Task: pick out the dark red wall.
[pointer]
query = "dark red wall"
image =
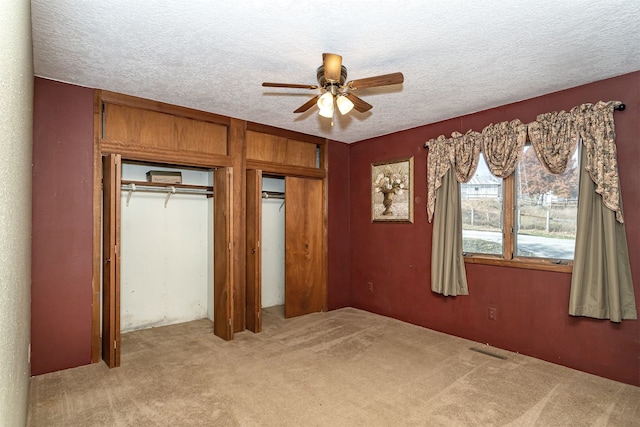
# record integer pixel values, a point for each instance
(62, 226)
(338, 294)
(531, 305)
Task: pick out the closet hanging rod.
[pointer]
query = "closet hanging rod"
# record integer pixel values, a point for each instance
(272, 195)
(165, 185)
(205, 191)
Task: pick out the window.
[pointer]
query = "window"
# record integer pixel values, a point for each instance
(527, 219)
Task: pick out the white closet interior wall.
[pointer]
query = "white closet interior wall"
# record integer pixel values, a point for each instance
(272, 244)
(167, 253)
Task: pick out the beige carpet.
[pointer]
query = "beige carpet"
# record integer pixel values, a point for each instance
(342, 368)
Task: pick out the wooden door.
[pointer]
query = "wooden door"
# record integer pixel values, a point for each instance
(222, 250)
(111, 174)
(254, 251)
(304, 249)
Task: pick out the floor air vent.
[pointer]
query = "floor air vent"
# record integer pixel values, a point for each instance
(488, 353)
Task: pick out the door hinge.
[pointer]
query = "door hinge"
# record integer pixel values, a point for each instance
(115, 344)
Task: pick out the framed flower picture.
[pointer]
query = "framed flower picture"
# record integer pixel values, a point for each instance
(392, 191)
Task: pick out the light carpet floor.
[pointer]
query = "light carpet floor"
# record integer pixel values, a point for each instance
(342, 368)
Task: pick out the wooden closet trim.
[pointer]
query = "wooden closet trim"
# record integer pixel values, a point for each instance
(324, 165)
(174, 110)
(257, 127)
(237, 152)
(286, 170)
(96, 343)
(160, 155)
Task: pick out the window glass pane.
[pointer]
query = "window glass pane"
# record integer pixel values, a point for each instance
(482, 212)
(546, 208)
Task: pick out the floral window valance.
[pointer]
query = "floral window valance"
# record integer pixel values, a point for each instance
(553, 136)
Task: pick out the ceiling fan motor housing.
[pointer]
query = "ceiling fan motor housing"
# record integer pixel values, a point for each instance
(324, 83)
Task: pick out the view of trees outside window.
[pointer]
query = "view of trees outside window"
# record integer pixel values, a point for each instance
(546, 207)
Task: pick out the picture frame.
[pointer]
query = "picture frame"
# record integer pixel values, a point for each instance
(392, 191)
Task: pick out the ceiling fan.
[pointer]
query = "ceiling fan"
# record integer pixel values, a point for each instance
(332, 76)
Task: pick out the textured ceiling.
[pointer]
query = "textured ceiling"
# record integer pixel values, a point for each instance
(457, 56)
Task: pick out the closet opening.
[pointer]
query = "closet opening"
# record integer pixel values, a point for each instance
(158, 231)
(285, 262)
(167, 246)
(273, 247)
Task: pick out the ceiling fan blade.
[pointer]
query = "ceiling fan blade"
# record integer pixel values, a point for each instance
(358, 103)
(289, 85)
(332, 66)
(310, 103)
(383, 80)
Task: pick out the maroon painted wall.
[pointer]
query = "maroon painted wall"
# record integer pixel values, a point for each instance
(62, 226)
(531, 305)
(338, 292)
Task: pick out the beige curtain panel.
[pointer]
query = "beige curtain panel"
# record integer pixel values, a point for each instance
(448, 274)
(601, 283)
(455, 159)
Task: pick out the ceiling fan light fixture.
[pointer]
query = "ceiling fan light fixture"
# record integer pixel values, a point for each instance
(327, 111)
(344, 104)
(325, 104)
(325, 101)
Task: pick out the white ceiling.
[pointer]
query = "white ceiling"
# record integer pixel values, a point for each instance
(457, 56)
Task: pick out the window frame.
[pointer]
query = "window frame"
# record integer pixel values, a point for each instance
(508, 258)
